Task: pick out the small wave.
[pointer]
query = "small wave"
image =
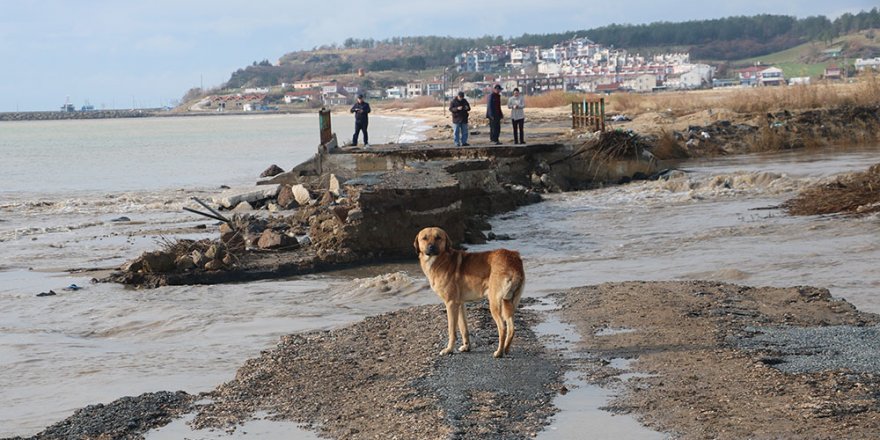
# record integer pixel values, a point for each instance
(728, 274)
(395, 284)
(26, 232)
(686, 187)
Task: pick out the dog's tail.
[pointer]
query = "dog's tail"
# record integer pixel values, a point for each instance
(513, 287)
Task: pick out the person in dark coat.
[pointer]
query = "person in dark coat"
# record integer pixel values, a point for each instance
(361, 110)
(493, 113)
(460, 107)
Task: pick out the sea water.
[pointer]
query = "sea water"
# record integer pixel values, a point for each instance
(62, 352)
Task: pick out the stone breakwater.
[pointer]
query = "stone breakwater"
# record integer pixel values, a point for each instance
(96, 114)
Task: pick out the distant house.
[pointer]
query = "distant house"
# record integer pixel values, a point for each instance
(608, 88)
(867, 63)
(641, 83)
(300, 96)
(396, 92)
(334, 98)
(771, 76)
(352, 90)
(434, 88)
(253, 90)
(748, 76)
(415, 89)
(308, 84)
(833, 72)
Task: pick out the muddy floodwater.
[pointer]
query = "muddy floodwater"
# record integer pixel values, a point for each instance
(713, 220)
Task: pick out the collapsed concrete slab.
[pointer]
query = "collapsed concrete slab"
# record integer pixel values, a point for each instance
(355, 206)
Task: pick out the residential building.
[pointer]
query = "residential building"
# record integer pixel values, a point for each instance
(748, 76)
(867, 63)
(771, 76)
(415, 89)
(301, 96)
(641, 83)
(833, 72)
(396, 92)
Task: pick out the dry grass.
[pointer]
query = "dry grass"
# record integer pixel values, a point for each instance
(668, 148)
(854, 194)
(865, 90)
(555, 98)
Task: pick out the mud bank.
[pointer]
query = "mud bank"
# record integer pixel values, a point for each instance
(691, 359)
(714, 360)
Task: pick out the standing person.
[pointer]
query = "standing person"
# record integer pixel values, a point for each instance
(516, 104)
(361, 110)
(460, 107)
(493, 113)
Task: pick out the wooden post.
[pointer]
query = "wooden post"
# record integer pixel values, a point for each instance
(324, 125)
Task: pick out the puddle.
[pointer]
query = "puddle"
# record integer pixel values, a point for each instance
(259, 428)
(611, 331)
(580, 414)
(623, 364)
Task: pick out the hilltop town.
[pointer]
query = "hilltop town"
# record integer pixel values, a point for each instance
(576, 65)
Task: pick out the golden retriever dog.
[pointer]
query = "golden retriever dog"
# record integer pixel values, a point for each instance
(459, 277)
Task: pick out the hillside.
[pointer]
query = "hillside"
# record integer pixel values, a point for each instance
(811, 58)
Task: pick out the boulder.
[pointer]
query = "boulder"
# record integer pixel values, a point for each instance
(355, 214)
(215, 252)
(243, 207)
(286, 200)
(184, 262)
(133, 266)
(301, 194)
(335, 185)
(273, 170)
(214, 265)
(272, 239)
(198, 258)
(341, 212)
(232, 197)
(158, 262)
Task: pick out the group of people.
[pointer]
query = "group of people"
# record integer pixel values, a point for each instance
(460, 109)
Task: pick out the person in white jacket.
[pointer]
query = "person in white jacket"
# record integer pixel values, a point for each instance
(516, 104)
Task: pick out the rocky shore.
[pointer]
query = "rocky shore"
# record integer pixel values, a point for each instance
(702, 360)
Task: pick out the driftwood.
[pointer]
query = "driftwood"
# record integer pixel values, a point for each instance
(214, 214)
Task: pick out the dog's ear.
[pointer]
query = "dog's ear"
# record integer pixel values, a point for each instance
(416, 244)
(446, 245)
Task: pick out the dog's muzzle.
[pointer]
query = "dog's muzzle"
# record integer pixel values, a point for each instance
(431, 249)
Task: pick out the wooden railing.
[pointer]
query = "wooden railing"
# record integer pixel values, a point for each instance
(589, 114)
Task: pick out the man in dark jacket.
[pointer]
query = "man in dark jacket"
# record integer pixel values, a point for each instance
(493, 113)
(361, 110)
(459, 107)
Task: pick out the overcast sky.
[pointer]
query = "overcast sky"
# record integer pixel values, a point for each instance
(119, 54)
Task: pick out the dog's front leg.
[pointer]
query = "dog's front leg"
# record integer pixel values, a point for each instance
(452, 312)
(463, 329)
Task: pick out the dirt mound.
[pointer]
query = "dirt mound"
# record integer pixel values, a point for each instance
(853, 194)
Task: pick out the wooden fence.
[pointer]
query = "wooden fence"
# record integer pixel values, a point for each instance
(589, 114)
